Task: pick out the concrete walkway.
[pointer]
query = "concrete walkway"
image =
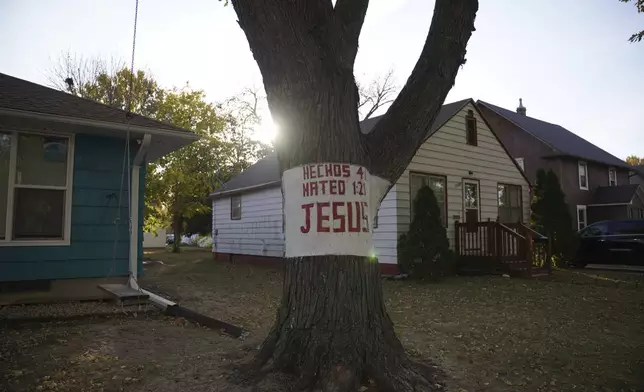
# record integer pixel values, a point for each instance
(616, 267)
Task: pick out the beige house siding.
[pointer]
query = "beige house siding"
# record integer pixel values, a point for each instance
(447, 154)
(258, 232)
(385, 236)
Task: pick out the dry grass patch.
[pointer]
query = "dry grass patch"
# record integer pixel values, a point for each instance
(489, 333)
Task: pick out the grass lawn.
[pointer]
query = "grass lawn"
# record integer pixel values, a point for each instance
(580, 331)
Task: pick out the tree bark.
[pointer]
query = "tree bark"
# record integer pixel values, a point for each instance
(333, 330)
(177, 223)
(332, 327)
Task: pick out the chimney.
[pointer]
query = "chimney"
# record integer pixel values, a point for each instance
(521, 109)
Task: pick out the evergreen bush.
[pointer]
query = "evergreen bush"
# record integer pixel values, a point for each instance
(551, 216)
(423, 252)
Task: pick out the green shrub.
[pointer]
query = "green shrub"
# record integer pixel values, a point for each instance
(423, 252)
(551, 216)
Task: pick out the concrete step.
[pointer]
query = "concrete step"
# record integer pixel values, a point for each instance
(124, 294)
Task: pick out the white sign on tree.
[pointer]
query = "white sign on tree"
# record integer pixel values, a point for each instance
(328, 209)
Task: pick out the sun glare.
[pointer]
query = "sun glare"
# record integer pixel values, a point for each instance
(266, 131)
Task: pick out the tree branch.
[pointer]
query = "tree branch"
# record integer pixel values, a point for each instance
(350, 14)
(379, 93)
(401, 131)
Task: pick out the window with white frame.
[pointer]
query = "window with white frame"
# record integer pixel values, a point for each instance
(437, 184)
(509, 203)
(37, 171)
(612, 177)
(521, 163)
(581, 217)
(235, 207)
(583, 175)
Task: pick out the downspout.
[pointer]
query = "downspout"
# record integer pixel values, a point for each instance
(134, 217)
(134, 210)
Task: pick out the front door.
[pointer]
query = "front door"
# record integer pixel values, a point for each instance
(471, 201)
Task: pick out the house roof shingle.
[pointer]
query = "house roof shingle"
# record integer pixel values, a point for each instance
(18, 94)
(266, 171)
(622, 194)
(561, 139)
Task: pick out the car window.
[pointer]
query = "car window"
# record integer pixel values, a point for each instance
(594, 230)
(628, 227)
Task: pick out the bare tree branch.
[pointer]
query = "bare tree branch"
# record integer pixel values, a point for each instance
(379, 93)
(399, 134)
(350, 14)
(72, 73)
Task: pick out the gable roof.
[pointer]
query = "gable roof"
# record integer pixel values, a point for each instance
(558, 137)
(266, 173)
(622, 194)
(640, 170)
(21, 95)
(263, 173)
(447, 111)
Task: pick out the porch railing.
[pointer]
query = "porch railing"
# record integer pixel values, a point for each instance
(493, 245)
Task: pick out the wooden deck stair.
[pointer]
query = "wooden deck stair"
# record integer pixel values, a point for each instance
(496, 248)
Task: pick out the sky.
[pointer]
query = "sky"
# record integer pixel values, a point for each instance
(570, 60)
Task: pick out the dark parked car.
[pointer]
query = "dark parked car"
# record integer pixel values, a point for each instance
(612, 242)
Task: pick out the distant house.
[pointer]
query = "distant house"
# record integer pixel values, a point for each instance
(157, 239)
(63, 174)
(462, 160)
(637, 175)
(596, 183)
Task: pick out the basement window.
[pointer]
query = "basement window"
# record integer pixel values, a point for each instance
(470, 129)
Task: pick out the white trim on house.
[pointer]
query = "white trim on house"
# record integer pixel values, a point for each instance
(99, 124)
(610, 204)
(583, 164)
(68, 188)
(579, 221)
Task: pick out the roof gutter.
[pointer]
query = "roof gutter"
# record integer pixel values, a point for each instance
(610, 204)
(217, 195)
(577, 157)
(99, 124)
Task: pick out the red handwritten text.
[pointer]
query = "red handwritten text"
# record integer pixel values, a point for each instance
(337, 216)
(322, 170)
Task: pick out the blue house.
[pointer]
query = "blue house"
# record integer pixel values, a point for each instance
(72, 178)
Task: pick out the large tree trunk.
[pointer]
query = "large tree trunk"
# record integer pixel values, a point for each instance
(332, 327)
(333, 330)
